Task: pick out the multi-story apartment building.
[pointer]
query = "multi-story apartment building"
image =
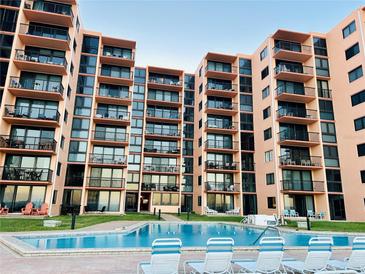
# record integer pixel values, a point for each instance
(277, 130)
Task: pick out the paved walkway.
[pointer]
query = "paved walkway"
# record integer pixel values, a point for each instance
(170, 218)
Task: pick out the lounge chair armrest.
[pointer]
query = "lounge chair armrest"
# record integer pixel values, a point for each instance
(193, 261)
(140, 264)
(242, 260)
(346, 259)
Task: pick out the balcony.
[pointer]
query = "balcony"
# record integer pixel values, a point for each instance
(96, 159)
(221, 90)
(296, 115)
(170, 101)
(159, 187)
(161, 83)
(37, 62)
(300, 162)
(44, 37)
(121, 58)
(293, 94)
(109, 138)
(109, 76)
(221, 108)
(27, 174)
(111, 117)
(325, 93)
(298, 138)
(219, 126)
(219, 72)
(36, 89)
(165, 133)
(168, 151)
(25, 115)
(105, 183)
(299, 186)
(74, 180)
(48, 13)
(221, 146)
(113, 96)
(221, 187)
(163, 115)
(293, 72)
(158, 169)
(291, 51)
(220, 166)
(27, 144)
(334, 186)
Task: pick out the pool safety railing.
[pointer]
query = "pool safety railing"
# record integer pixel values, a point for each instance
(265, 230)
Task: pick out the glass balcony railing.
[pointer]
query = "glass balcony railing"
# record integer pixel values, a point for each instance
(102, 135)
(224, 165)
(27, 142)
(44, 31)
(162, 149)
(220, 144)
(37, 57)
(297, 112)
(286, 89)
(112, 114)
(163, 113)
(221, 105)
(105, 182)
(298, 136)
(161, 168)
(221, 87)
(152, 130)
(30, 112)
(36, 85)
(302, 160)
(164, 81)
(159, 187)
(293, 68)
(291, 46)
(220, 68)
(303, 185)
(98, 158)
(26, 174)
(164, 98)
(221, 124)
(221, 186)
(115, 72)
(51, 7)
(114, 93)
(118, 53)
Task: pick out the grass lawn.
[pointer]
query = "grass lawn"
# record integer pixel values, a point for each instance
(333, 226)
(32, 224)
(205, 218)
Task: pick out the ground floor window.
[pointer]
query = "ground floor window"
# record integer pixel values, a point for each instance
(186, 203)
(337, 207)
(165, 199)
(97, 200)
(300, 203)
(249, 204)
(15, 197)
(220, 202)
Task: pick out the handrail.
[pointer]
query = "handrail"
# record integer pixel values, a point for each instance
(266, 229)
(38, 57)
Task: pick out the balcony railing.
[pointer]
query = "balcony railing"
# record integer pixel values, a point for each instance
(248, 187)
(122, 54)
(305, 161)
(165, 98)
(27, 142)
(97, 158)
(210, 164)
(109, 72)
(324, 93)
(49, 7)
(13, 3)
(26, 174)
(37, 57)
(298, 136)
(43, 31)
(286, 89)
(26, 112)
(161, 149)
(334, 186)
(161, 168)
(105, 182)
(247, 165)
(297, 112)
(224, 69)
(220, 144)
(293, 68)
(221, 105)
(220, 186)
(163, 113)
(162, 131)
(300, 185)
(36, 85)
(290, 46)
(114, 93)
(159, 187)
(164, 81)
(73, 180)
(109, 136)
(112, 114)
(221, 124)
(221, 87)
(187, 188)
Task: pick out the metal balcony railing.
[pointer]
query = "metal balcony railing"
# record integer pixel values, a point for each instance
(288, 89)
(298, 136)
(105, 182)
(221, 87)
(164, 81)
(297, 112)
(51, 7)
(249, 187)
(221, 124)
(161, 168)
(159, 187)
(305, 161)
(302, 185)
(291, 46)
(293, 68)
(221, 105)
(114, 93)
(36, 85)
(27, 112)
(162, 149)
(153, 130)
(115, 73)
(97, 158)
(334, 186)
(220, 186)
(27, 142)
(163, 113)
(164, 98)
(26, 174)
(219, 68)
(112, 114)
(324, 93)
(126, 54)
(37, 57)
(109, 136)
(224, 165)
(220, 144)
(43, 31)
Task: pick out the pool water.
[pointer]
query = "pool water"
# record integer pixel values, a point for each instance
(191, 235)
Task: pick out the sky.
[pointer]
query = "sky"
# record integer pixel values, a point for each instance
(178, 33)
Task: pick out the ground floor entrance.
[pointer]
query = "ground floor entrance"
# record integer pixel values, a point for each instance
(249, 204)
(145, 202)
(131, 202)
(186, 203)
(337, 207)
(300, 203)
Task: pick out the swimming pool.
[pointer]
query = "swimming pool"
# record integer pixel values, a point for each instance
(191, 235)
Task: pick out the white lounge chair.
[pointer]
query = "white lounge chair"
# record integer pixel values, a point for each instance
(293, 213)
(217, 260)
(319, 253)
(337, 272)
(165, 257)
(271, 252)
(209, 211)
(235, 211)
(356, 261)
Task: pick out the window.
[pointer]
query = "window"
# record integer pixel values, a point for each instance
(328, 132)
(200, 160)
(246, 103)
(350, 28)
(352, 51)
(65, 117)
(268, 156)
(322, 67)
(8, 19)
(265, 92)
(90, 44)
(87, 64)
(58, 172)
(77, 151)
(355, 74)
(200, 88)
(266, 112)
(320, 46)
(200, 123)
(264, 72)
(267, 134)
(85, 85)
(200, 142)
(271, 202)
(54, 198)
(80, 128)
(69, 91)
(168, 199)
(358, 98)
(263, 54)
(326, 110)
(245, 66)
(246, 121)
(72, 68)
(62, 141)
(200, 71)
(77, 24)
(200, 200)
(330, 156)
(74, 46)
(333, 177)
(6, 42)
(83, 106)
(270, 179)
(245, 84)
(200, 105)
(140, 75)
(362, 175)
(361, 150)
(359, 123)
(199, 180)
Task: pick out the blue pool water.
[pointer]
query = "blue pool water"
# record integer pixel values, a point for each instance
(191, 235)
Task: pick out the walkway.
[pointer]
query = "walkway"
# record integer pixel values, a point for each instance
(170, 218)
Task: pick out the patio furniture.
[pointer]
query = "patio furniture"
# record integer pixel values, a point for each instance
(43, 210)
(209, 211)
(293, 213)
(235, 211)
(310, 214)
(4, 210)
(28, 209)
(286, 213)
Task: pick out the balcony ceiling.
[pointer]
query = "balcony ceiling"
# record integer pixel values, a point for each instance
(288, 35)
(109, 41)
(218, 57)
